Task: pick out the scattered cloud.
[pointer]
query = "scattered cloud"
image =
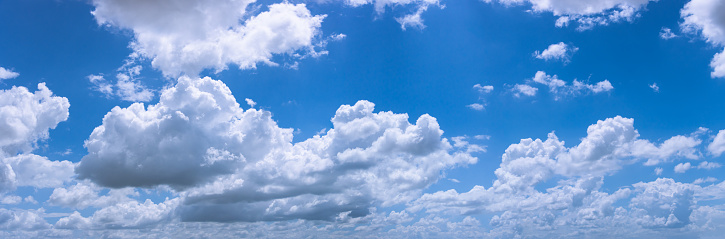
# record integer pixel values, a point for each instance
(413, 19)
(586, 14)
(7, 74)
(127, 87)
(717, 146)
(682, 167)
(476, 106)
(706, 18)
(666, 33)
(559, 51)
(523, 89)
(655, 87)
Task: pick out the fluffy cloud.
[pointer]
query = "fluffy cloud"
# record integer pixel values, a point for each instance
(7, 74)
(575, 202)
(127, 215)
(186, 37)
(707, 17)
(37, 171)
(235, 164)
(483, 89)
(523, 89)
(26, 117)
(85, 194)
(682, 167)
(587, 13)
(559, 51)
(22, 220)
(717, 146)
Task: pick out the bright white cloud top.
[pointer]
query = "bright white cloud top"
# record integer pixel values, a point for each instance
(201, 133)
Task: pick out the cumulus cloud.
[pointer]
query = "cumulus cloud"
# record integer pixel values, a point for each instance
(575, 202)
(39, 172)
(186, 37)
(84, 194)
(717, 146)
(28, 220)
(586, 14)
(705, 17)
(235, 164)
(26, 117)
(559, 51)
(523, 89)
(7, 74)
(126, 215)
(682, 167)
(560, 88)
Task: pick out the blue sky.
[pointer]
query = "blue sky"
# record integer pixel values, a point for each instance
(362, 118)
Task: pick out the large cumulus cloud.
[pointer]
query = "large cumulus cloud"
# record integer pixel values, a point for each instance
(25, 118)
(186, 37)
(234, 164)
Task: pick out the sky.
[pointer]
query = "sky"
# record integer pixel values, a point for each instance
(362, 119)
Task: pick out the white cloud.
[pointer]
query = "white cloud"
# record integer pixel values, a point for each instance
(413, 19)
(575, 202)
(483, 89)
(522, 89)
(39, 172)
(682, 167)
(26, 117)
(587, 13)
(654, 87)
(131, 214)
(560, 88)
(706, 18)
(186, 37)
(28, 220)
(11, 199)
(222, 158)
(85, 194)
(658, 171)
(708, 165)
(250, 102)
(717, 146)
(7, 74)
(476, 106)
(704, 180)
(559, 51)
(667, 33)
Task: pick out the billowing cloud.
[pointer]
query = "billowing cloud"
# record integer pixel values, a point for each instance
(235, 164)
(186, 37)
(559, 51)
(707, 17)
(26, 117)
(576, 202)
(586, 13)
